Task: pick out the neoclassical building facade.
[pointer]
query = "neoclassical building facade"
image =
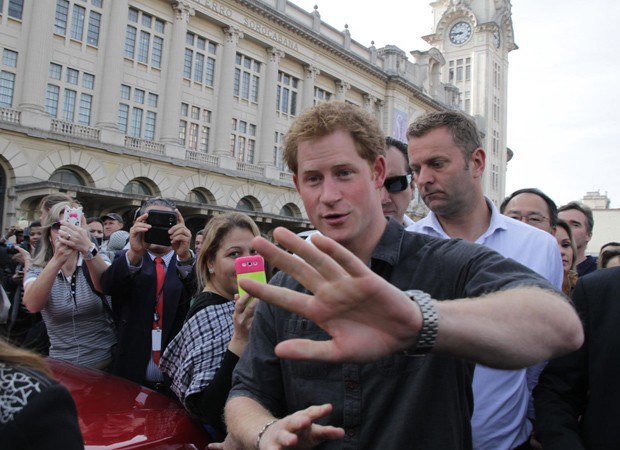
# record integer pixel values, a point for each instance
(115, 101)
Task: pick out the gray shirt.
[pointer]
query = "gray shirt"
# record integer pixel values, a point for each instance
(419, 402)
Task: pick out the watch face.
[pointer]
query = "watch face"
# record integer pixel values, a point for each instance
(497, 39)
(460, 32)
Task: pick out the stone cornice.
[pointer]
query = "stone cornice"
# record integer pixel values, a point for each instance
(305, 33)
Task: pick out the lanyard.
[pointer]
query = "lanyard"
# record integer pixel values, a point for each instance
(156, 316)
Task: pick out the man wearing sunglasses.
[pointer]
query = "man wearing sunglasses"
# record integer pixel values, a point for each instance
(397, 191)
(448, 163)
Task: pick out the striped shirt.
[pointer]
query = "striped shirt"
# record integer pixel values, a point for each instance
(80, 329)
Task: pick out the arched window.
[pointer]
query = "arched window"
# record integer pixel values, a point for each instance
(195, 196)
(245, 205)
(287, 211)
(135, 187)
(67, 176)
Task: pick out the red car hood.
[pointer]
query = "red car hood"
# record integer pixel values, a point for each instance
(115, 413)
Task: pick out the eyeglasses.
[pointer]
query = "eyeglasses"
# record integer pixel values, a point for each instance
(397, 184)
(532, 219)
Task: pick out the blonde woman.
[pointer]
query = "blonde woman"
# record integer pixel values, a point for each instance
(63, 283)
(201, 358)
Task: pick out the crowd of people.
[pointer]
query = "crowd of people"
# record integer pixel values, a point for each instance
(452, 332)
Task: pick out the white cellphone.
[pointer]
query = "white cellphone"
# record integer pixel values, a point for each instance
(73, 215)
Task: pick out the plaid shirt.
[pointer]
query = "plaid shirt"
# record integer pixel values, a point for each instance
(193, 357)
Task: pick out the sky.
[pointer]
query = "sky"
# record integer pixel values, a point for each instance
(563, 90)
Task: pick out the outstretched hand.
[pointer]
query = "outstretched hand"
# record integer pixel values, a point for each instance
(365, 315)
(296, 431)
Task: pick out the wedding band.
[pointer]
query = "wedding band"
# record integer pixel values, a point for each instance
(68, 236)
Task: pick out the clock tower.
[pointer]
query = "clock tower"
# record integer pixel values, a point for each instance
(475, 37)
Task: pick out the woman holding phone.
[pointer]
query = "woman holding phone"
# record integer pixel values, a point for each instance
(201, 358)
(63, 284)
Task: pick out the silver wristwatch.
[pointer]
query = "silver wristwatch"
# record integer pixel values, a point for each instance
(430, 323)
(90, 253)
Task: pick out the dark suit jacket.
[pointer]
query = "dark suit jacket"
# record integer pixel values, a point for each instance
(577, 399)
(133, 303)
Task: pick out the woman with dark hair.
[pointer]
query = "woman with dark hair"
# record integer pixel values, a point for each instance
(35, 412)
(201, 358)
(63, 283)
(568, 251)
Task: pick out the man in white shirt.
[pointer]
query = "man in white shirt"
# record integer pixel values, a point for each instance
(448, 162)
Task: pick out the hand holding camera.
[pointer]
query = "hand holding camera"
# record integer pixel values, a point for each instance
(159, 227)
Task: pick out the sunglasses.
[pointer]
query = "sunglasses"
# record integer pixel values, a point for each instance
(55, 226)
(397, 184)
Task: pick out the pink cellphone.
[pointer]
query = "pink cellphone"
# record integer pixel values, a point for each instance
(250, 267)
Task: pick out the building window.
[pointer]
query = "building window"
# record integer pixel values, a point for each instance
(7, 88)
(245, 205)
(68, 177)
(72, 76)
(278, 152)
(7, 78)
(286, 95)
(51, 100)
(497, 71)
(195, 196)
(77, 86)
(9, 58)
(495, 177)
(459, 70)
(137, 116)
(287, 211)
(144, 38)
(496, 108)
(467, 102)
(199, 64)
(135, 187)
(243, 140)
(321, 95)
(195, 128)
(75, 19)
(247, 77)
(495, 143)
(15, 8)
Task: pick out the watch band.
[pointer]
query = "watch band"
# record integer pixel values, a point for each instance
(430, 323)
(91, 253)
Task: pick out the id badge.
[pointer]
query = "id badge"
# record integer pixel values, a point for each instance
(156, 340)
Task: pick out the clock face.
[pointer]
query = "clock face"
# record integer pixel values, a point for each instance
(497, 39)
(460, 33)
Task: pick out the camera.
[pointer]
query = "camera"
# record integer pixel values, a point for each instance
(161, 222)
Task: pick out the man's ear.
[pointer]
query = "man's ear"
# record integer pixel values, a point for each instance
(379, 171)
(477, 162)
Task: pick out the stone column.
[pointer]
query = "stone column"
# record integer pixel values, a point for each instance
(174, 74)
(341, 90)
(380, 113)
(223, 115)
(268, 114)
(369, 103)
(109, 95)
(307, 96)
(37, 59)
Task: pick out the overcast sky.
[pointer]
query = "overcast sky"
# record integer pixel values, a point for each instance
(563, 90)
